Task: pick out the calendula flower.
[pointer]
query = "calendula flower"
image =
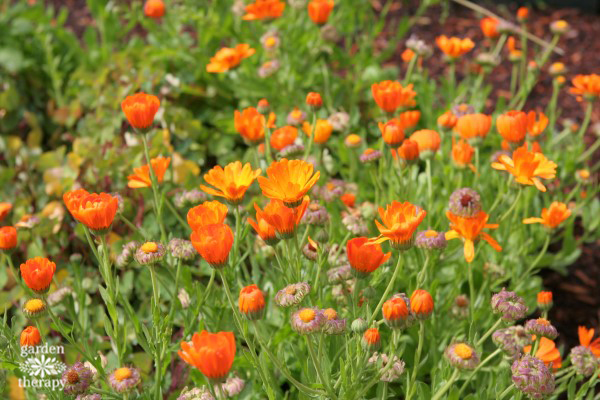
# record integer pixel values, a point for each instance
(140, 110)
(154, 8)
(585, 339)
(532, 377)
(268, 68)
(288, 181)
(213, 242)
(264, 9)
(8, 238)
(557, 69)
(283, 219)
(4, 210)
(141, 175)
(447, 120)
(454, 47)
(124, 379)
(96, 211)
(489, 27)
(583, 360)
(535, 127)
(473, 127)
(334, 325)
(408, 152)
(512, 340)
(30, 337)
(391, 95)
(322, 130)
(409, 119)
(421, 303)
(365, 257)
(559, 27)
(211, 353)
(353, 141)
(541, 327)
(252, 302)
(407, 55)
(283, 137)
(428, 141)
(396, 312)
(230, 182)
(391, 132)
(522, 14)
(292, 294)
(431, 240)
(461, 355)
(370, 155)
(307, 320)
(470, 230)
(270, 40)
(587, 86)
(371, 339)
(264, 230)
(547, 352)
(37, 273)
(527, 167)
(228, 58)
(181, 249)
(511, 306)
(349, 199)
(399, 223)
(76, 379)
(552, 217)
(319, 10)
(462, 154)
(207, 213)
(149, 253)
(34, 308)
(544, 300)
(313, 99)
(296, 117)
(512, 126)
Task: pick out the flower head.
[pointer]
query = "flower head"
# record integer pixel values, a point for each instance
(532, 377)
(559, 27)
(230, 182)
(527, 167)
(315, 214)
(462, 154)
(473, 127)
(252, 302)
(364, 257)
(263, 229)
(391, 132)
(181, 249)
(584, 361)
(296, 117)
(319, 10)
(207, 213)
(201, 393)
(141, 175)
(587, 86)
(544, 300)
(124, 379)
(228, 58)
(431, 240)
(397, 312)
(154, 8)
(535, 127)
(547, 352)
(213, 242)
(283, 219)
(96, 211)
(371, 339)
(140, 109)
(552, 217)
(334, 325)
(421, 303)
(313, 99)
(339, 121)
(189, 197)
(428, 141)
(512, 126)
(322, 130)
(4, 210)
(391, 95)
(149, 253)
(264, 9)
(470, 230)
(387, 374)
(8, 237)
(76, 379)
(30, 337)
(353, 141)
(34, 308)
(250, 124)
(308, 320)
(211, 353)
(511, 306)
(489, 27)
(408, 152)
(288, 181)
(454, 47)
(37, 273)
(512, 340)
(283, 137)
(370, 155)
(447, 120)
(461, 355)
(585, 339)
(292, 294)
(399, 223)
(465, 203)
(541, 327)
(270, 40)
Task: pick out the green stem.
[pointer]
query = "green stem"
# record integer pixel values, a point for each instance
(479, 366)
(157, 207)
(176, 214)
(388, 289)
(155, 319)
(471, 292)
(317, 365)
(417, 360)
(267, 141)
(429, 185)
(446, 386)
(512, 207)
(488, 333)
(133, 227)
(506, 391)
(312, 134)
(535, 262)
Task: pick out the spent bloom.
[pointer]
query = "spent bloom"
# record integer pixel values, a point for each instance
(211, 353)
(334, 325)
(201, 393)
(76, 379)
(124, 379)
(189, 197)
(584, 361)
(461, 355)
(541, 327)
(181, 249)
(465, 203)
(552, 216)
(512, 340)
(141, 175)
(339, 121)
(296, 117)
(511, 306)
(308, 320)
(230, 182)
(127, 253)
(292, 294)
(389, 374)
(268, 68)
(532, 377)
(270, 40)
(315, 214)
(58, 295)
(370, 155)
(149, 253)
(431, 240)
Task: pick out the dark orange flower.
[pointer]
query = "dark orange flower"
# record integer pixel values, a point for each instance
(283, 219)
(547, 352)
(30, 337)
(407, 55)
(462, 154)
(211, 353)
(250, 124)
(213, 242)
(399, 223)
(140, 109)
(421, 303)
(489, 27)
(365, 257)
(395, 311)
(390, 95)
(513, 52)
(95, 210)
(141, 175)
(535, 128)
(228, 58)
(522, 13)
(288, 181)
(154, 8)
(473, 126)
(408, 151)
(371, 338)
(447, 120)
(428, 141)
(230, 182)
(585, 339)
(319, 10)
(264, 9)
(587, 86)
(409, 119)
(348, 199)
(323, 130)
(544, 300)
(263, 229)
(512, 126)
(37, 273)
(471, 230)
(4, 210)
(391, 132)
(552, 217)
(251, 302)
(8, 237)
(454, 47)
(314, 99)
(207, 213)
(527, 167)
(283, 137)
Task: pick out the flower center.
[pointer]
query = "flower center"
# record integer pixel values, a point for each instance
(463, 351)
(34, 305)
(290, 290)
(543, 321)
(330, 313)
(465, 200)
(430, 233)
(122, 374)
(72, 376)
(149, 247)
(307, 315)
(271, 41)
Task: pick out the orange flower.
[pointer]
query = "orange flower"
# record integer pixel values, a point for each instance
(96, 211)
(421, 303)
(288, 181)
(547, 352)
(154, 8)
(250, 124)
(263, 229)
(4, 210)
(314, 99)
(454, 47)
(231, 182)
(585, 339)
(392, 132)
(207, 213)
(141, 175)
(428, 141)
(283, 219)
(409, 119)
(513, 53)
(447, 120)
(37, 273)
(30, 337)
(8, 237)
(228, 58)
(352, 140)
(471, 230)
(395, 311)
(264, 9)
(552, 217)
(535, 128)
(473, 126)
(462, 153)
(323, 130)
(400, 220)
(348, 199)
(522, 13)
(512, 126)
(527, 167)
(408, 151)
(489, 27)
(140, 109)
(587, 86)
(390, 95)
(213, 242)
(407, 55)
(251, 302)
(211, 353)
(283, 137)
(365, 257)
(371, 338)
(319, 10)
(544, 300)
